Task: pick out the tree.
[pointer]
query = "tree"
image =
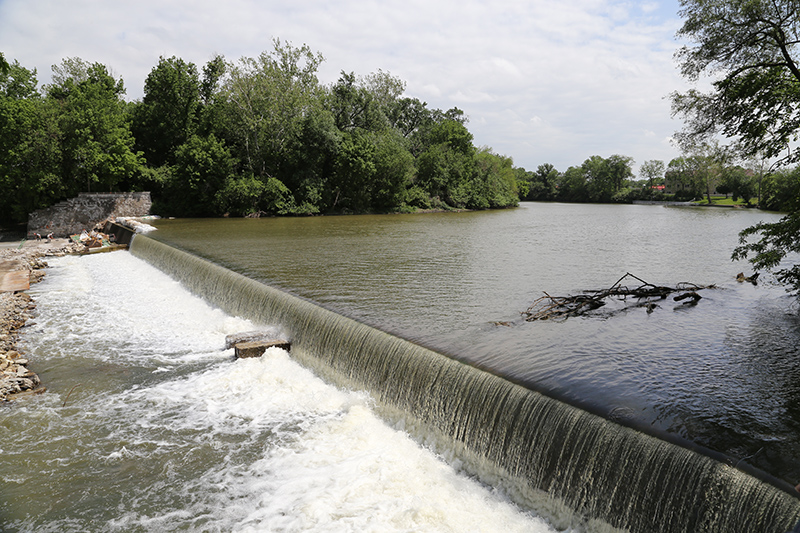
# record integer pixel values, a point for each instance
(572, 185)
(447, 163)
(202, 165)
(17, 82)
(407, 115)
(96, 142)
(619, 170)
(749, 47)
(494, 182)
(686, 176)
(394, 168)
(266, 100)
(653, 172)
(780, 191)
(353, 106)
(29, 146)
(776, 241)
(739, 182)
(355, 171)
(168, 113)
(543, 186)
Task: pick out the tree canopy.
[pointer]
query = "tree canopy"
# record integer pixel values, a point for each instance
(749, 50)
(258, 135)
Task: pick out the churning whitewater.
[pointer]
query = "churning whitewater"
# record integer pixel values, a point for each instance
(150, 425)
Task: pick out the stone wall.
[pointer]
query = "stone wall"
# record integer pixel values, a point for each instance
(87, 210)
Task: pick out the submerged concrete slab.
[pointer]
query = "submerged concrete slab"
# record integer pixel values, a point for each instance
(257, 348)
(251, 336)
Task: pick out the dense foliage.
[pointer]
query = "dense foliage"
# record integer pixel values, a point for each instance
(598, 180)
(249, 137)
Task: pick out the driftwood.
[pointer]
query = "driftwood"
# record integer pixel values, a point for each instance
(741, 278)
(554, 307)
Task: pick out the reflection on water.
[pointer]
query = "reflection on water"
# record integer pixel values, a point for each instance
(723, 373)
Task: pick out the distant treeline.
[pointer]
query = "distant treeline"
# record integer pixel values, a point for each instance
(254, 136)
(709, 170)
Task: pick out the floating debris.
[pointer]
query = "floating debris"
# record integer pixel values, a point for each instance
(555, 307)
(741, 278)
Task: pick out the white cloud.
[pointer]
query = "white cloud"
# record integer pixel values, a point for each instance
(592, 73)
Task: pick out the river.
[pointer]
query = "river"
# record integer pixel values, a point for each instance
(150, 425)
(724, 374)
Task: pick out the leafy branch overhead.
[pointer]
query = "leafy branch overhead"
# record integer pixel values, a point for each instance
(749, 49)
(645, 295)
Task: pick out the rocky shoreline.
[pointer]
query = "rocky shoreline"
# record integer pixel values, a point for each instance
(17, 308)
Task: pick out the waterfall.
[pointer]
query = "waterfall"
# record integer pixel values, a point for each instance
(573, 467)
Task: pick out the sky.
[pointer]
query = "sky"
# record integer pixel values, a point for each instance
(541, 81)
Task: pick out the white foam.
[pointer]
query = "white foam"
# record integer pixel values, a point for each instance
(245, 445)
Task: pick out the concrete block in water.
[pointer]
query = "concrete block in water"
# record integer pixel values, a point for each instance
(251, 336)
(257, 348)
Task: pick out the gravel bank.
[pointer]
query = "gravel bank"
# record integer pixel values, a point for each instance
(17, 308)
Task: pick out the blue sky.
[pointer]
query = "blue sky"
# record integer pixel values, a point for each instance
(541, 81)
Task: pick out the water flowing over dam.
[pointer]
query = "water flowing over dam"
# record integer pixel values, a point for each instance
(571, 466)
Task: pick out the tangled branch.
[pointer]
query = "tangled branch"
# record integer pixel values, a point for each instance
(554, 307)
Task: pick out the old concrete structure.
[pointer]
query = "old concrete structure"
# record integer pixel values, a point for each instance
(257, 348)
(87, 210)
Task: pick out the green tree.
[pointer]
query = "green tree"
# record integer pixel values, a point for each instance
(619, 170)
(572, 186)
(96, 142)
(266, 101)
(354, 106)
(167, 116)
(17, 82)
(355, 171)
(780, 191)
(739, 182)
(372, 172)
(213, 72)
(29, 146)
(600, 180)
(749, 48)
(447, 164)
(202, 166)
(494, 183)
(775, 241)
(542, 183)
(394, 170)
(653, 172)
(311, 162)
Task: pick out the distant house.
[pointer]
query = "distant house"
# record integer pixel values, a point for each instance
(673, 185)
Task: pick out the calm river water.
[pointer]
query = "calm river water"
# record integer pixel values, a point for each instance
(724, 374)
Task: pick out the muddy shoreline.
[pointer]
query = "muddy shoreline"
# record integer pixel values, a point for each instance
(27, 260)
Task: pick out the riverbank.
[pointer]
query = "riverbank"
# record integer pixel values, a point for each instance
(22, 263)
